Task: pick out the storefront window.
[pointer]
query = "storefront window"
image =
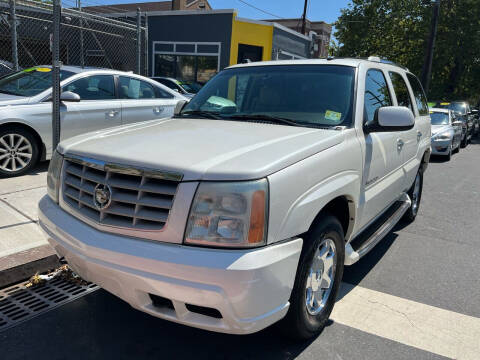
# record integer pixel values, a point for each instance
(185, 67)
(199, 61)
(206, 68)
(165, 65)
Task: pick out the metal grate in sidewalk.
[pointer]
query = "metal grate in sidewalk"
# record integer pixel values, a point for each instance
(19, 303)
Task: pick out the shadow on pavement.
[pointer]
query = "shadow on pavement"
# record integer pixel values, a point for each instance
(354, 274)
(101, 326)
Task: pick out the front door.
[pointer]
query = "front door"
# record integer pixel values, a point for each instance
(141, 101)
(97, 109)
(382, 172)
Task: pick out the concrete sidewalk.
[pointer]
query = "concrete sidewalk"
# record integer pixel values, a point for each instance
(23, 248)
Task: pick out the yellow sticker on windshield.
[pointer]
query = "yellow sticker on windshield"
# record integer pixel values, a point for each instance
(43, 69)
(444, 103)
(333, 115)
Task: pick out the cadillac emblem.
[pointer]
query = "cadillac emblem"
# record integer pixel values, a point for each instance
(102, 196)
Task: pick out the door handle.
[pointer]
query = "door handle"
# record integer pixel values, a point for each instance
(112, 113)
(419, 135)
(157, 110)
(400, 144)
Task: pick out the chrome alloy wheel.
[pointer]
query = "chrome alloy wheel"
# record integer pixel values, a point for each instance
(416, 194)
(321, 276)
(15, 152)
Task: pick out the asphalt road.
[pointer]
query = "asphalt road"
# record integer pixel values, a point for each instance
(433, 261)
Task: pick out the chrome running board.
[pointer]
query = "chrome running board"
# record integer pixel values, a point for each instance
(371, 236)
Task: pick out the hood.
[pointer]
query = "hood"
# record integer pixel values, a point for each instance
(6, 99)
(436, 129)
(203, 149)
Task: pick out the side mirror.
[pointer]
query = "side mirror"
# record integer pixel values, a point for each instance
(179, 107)
(69, 96)
(391, 118)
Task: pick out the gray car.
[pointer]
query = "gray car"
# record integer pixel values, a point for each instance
(91, 99)
(446, 132)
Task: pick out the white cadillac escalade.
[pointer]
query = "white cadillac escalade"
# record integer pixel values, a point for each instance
(242, 209)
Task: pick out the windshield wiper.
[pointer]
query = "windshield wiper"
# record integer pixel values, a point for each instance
(283, 121)
(205, 114)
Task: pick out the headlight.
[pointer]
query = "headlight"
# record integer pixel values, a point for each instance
(443, 136)
(53, 177)
(229, 214)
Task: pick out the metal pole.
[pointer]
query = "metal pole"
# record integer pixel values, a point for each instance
(304, 17)
(427, 66)
(139, 43)
(57, 14)
(13, 27)
(82, 59)
(145, 60)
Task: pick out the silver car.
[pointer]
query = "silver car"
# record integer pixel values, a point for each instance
(91, 99)
(446, 132)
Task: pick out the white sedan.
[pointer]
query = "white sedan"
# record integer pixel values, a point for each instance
(91, 99)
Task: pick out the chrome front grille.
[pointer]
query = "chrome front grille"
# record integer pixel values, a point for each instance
(140, 199)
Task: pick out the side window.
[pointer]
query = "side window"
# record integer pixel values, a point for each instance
(131, 88)
(96, 87)
(418, 94)
(401, 90)
(377, 94)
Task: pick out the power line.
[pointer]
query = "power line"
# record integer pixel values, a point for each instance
(256, 8)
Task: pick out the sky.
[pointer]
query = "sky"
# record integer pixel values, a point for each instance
(318, 10)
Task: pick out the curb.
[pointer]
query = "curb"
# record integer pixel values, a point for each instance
(21, 266)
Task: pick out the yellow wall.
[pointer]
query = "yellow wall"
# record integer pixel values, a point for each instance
(251, 34)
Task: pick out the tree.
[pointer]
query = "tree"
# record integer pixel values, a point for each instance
(398, 30)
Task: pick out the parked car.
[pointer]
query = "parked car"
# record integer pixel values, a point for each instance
(446, 132)
(462, 111)
(186, 88)
(92, 99)
(476, 121)
(244, 210)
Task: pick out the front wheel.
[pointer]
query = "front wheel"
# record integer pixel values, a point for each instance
(415, 194)
(19, 152)
(449, 155)
(317, 281)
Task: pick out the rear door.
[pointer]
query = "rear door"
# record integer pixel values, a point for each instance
(142, 101)
(408, 140)
(382, 174)
(419, 136)
(98, 107)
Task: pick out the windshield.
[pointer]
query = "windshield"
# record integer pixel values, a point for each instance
(439, 118)
(190, 87)
(458, 107)
(29, 82)
(306, 95)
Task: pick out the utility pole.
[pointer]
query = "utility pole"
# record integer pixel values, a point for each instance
(57, 15)
(427, 65)
(13, 27)
(82, 51)
(304, 17)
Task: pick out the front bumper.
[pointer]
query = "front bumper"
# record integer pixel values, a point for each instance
(441, 147)
(249, 288)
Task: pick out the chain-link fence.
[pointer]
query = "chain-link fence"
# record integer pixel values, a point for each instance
(86, 38)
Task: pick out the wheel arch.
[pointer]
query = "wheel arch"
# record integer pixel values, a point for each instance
(343, 208)
(36, 135)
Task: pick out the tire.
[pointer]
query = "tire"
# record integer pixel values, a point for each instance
(464, 142)
(449, 155)
(416, 197)
(456, 150)
(302, 320)
(23, 160)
